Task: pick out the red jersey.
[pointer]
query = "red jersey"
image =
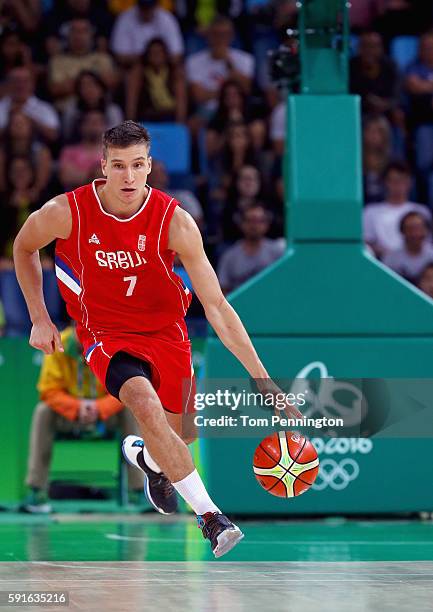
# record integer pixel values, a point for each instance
(116, 275)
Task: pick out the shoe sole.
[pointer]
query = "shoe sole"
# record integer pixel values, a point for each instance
(227, 540)
(146, 483)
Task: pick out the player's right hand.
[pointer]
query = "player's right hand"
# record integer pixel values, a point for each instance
(46, 337)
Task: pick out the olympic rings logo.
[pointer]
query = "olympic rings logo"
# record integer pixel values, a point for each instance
(336, 475)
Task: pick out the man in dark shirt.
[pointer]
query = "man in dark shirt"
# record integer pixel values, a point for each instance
(373, 76)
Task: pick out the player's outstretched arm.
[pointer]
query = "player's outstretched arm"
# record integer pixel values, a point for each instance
(51, 221)
(185, 239)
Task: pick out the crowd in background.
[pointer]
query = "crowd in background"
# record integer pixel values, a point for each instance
(71, 69)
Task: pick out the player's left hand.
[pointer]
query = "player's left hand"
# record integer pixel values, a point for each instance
(281, 402)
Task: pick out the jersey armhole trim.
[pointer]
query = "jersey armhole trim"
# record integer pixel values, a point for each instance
(165, 226)
(69, 196)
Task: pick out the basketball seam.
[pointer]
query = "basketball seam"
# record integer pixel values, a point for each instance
(270, 457)
(307, 483)
(294, 461)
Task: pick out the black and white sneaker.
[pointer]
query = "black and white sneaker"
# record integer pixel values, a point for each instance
(157, 487)
(220, 531)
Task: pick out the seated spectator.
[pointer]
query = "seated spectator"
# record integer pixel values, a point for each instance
(417, 250)
(419, 82)
(373, 76)
(401, 17)
(252, 253)
(207, 70)
(361, 14)
(136, 27)
(72, 401)
(21, 97)
(79, 55)
(246, 190)
(277, 128)
(22, 14)
(159, 179)
(18, 201)
(91, 94)
(78, 162)
(19, 141)
(234, 105)
(155, 87)
(382, 221)
(237, 152)
(426, 280)
(377, 155)
(56, 21)
(13, 52)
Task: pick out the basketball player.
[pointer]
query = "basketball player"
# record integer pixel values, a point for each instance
(116, 239)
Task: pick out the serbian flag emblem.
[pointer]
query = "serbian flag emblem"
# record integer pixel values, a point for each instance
(141, 242)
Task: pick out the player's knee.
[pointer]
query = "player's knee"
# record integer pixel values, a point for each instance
(140, 397)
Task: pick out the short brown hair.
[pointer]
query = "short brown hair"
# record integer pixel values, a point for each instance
(126, 134)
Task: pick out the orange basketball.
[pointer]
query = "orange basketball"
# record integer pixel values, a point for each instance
(286, 464)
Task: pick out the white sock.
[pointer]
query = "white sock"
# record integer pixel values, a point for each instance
(150, 462)
(193, 491)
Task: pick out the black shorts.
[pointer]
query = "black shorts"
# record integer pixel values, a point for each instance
(122, 367)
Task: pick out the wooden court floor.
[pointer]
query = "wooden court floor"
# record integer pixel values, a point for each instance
(144, 562)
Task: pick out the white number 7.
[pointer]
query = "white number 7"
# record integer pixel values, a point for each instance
(132, 281)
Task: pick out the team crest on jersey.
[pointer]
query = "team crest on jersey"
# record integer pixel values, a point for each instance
(141, 242)
(94, 239)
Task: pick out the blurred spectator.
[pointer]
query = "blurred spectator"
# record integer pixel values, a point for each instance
(426, 280)
(55, 23)
(78, 56)
(373, 76)
(238, 151)
(19, 141)
(417, 250)
(13, 52)
(362, 14)
(207, 70)
(402, 17)
(382, 221)
(159, 179)
(72, 401)
(137, 26)
(21, 88)
(234, 105)
(80, 163)
(118, 6)
(18, 201)
(155, 87)
(277, 128)
(246, 190)
(377, 155)
(24, 14)
(252, 253)
(91, 94)
(419, 82)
